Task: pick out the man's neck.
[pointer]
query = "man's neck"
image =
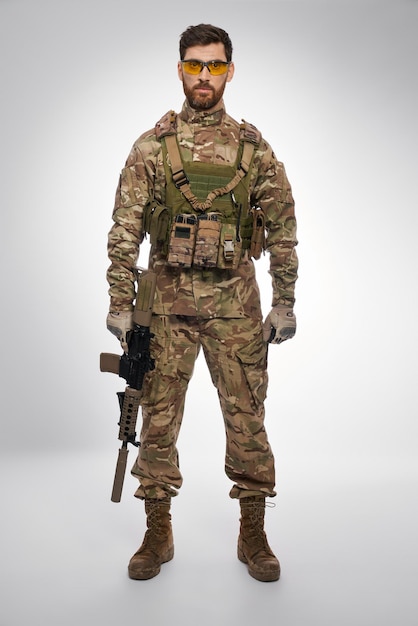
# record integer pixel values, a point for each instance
(214, 114)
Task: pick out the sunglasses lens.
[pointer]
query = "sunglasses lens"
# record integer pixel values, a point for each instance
(193, 67)
(217, 67)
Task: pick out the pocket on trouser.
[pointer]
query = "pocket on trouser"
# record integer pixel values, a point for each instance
(253, 360)
(174, 354)
(152, 383)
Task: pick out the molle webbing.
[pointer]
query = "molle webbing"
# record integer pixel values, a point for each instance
(182, 183)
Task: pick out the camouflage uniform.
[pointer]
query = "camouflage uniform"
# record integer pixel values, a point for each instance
(213, 308)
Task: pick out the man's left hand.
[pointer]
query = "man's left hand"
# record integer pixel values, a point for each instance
(280, 324)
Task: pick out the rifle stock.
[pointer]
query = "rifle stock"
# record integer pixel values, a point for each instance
(132, 366)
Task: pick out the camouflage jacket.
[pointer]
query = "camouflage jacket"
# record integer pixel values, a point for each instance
(210, 138)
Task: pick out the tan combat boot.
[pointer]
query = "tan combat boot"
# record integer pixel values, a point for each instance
(253, 548)
(157, 547)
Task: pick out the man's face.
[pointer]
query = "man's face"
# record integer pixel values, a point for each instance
(203, 91)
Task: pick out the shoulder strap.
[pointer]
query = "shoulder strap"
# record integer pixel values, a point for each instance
(252, 139)
(167, 125)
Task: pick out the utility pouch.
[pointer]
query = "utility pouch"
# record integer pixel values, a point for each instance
(207, 240)
(230, 247)
(182, 241)
(156, 222)
(258, 237)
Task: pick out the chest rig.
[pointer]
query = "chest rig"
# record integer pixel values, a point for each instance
(207, 221)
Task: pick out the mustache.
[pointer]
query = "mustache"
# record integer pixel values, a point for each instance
(204, 84)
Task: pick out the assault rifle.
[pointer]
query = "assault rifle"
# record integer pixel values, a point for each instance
(132, 366)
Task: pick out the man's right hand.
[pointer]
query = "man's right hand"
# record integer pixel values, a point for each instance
(119, 324)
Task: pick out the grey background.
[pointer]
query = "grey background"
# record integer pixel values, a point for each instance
(333, 87)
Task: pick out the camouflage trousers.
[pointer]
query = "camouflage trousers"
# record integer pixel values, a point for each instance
(236, 356)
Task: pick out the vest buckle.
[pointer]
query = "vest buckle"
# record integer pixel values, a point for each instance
(228, 248)
(180, 179)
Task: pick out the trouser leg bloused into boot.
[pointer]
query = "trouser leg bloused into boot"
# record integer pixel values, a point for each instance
(253, 547)
(157, 547)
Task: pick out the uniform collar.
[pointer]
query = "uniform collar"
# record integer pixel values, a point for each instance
(202, 118)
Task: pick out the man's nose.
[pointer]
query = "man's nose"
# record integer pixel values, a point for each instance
(205, 74)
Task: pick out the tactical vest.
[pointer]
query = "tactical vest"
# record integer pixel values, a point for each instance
(207, 221)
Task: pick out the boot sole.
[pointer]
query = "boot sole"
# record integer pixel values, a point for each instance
(146, 574)
(264, 577)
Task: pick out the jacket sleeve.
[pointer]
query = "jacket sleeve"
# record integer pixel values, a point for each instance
(126, 233)
(273, 194)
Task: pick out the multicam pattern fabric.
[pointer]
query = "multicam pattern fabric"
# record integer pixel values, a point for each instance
(218, 310)
(236, 356)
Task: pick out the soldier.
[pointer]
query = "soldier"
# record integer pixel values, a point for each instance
(210, 195)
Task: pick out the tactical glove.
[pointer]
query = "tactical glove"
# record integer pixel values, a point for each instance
(279, 325)
(119, 325)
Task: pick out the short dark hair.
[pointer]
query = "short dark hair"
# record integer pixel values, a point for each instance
(203, 35)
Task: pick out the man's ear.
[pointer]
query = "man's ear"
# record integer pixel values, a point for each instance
(180, 71)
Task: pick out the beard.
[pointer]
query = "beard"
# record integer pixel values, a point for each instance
(203, 102)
